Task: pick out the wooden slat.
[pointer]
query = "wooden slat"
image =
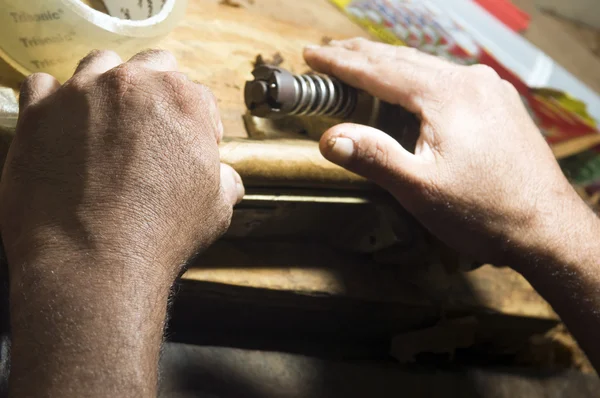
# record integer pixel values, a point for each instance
(313, 269)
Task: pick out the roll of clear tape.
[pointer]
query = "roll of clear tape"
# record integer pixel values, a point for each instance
(53, 35)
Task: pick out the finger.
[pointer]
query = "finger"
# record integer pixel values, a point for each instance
(231, 184)
(220, 128)
(159, 60)
(35, 88)
(208, 108)
(372, 154)
(97, 62)
(215, 114)
(398, 80)
(390, 52)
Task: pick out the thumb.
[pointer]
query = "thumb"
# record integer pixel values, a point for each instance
(231, 185)
(371, 153)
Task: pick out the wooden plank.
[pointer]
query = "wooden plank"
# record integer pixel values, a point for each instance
(313, 269)
(287, 162)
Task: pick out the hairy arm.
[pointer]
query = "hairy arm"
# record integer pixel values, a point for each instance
(563, 265)
(112, 182)
(80, 328)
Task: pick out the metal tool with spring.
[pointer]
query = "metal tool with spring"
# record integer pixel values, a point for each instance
(275, 92)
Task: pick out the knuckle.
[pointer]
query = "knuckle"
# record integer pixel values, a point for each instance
(124, 74)
(155, 58)
(477, 83)
(377, 59)
(102, 54)
(405, 52)
(95, 55)
(483, 72)
(120, 80)
(33, 79)
(75, 86)
(188, 96)
(356, 44)
(32, 84)
(175, 80)
(155, 53)
(510, 88)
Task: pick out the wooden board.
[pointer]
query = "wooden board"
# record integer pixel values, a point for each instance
(310, 269)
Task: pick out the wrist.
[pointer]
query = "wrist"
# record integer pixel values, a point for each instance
(564, 236)
(73, 312)
(101, 262)
(564, 269)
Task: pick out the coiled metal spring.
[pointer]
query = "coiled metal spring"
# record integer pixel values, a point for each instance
(319, 95)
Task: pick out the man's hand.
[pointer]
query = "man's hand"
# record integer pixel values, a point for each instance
(482, 178)
(121, 159)
(112, 182)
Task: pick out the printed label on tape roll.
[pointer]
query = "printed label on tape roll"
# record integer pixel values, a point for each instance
(53, 35)
(134, 9)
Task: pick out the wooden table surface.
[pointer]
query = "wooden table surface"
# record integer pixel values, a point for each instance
(216, 45)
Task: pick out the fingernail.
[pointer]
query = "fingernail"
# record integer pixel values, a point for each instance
(340, 149)
(312, 47)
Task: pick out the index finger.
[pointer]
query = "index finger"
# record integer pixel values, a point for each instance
(395, 74)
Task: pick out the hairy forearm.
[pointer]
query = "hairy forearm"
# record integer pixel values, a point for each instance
(564, 268)
(80, 331)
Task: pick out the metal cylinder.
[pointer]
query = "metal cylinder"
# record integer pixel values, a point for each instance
(275, 92)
